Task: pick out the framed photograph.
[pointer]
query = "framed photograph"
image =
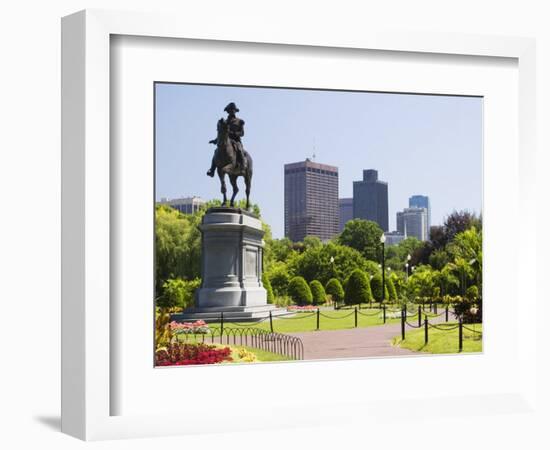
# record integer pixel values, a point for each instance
(254, 216)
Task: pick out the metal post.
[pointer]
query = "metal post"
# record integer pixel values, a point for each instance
(425, 330)
(403, 312)
(383, 274)
(356, 317)
(419, 317)
(221, 327)
(435, 307)
(318, 315)
(447, 313)
(384, 312)
(460, 334)
(270, 321)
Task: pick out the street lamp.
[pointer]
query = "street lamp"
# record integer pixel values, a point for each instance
(407, 271)
(383, 241)
(334, 276)
(408, 264)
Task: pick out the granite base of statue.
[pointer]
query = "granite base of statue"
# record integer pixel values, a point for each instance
(231, 269)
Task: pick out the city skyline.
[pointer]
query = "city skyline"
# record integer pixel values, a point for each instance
(421, 144)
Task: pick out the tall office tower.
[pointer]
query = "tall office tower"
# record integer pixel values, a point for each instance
(345, 206)
(370, 199)
(186, 205)
(422, 201)
(311, 200)
(393, 237)
(412, 222)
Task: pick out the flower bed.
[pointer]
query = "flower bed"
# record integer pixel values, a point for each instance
(178, 354)
(198, 327)
(297, 308)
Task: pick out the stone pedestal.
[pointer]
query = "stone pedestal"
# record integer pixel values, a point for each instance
(231, 268)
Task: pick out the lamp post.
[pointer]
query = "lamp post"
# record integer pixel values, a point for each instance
(383, 241)
(408, 264)
(333, 275)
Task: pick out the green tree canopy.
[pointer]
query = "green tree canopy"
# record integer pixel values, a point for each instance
(363, 236)
(327, 261)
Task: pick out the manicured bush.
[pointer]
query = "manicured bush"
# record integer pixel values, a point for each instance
(178, 293)
(357, 288)
(376, 288)
(300, 292)
(335, 290)
(268, 288)
(390, 286)
(318, 292)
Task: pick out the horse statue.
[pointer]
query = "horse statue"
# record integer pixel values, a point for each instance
(227, 162)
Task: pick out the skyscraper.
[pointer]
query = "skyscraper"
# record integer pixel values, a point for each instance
(370, 199)
(345, 206)
(311, 200)
(422, 201)
(412, 222)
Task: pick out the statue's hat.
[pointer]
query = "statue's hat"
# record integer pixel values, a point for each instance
(230, 107)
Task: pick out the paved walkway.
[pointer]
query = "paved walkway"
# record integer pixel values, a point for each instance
(354, 343)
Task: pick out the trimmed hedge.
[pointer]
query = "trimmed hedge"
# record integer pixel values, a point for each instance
(335, 290)
(268, 288)
(376, 288)
(318, 292)
(357, 288)
(299, 291)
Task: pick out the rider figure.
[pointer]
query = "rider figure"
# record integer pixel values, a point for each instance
(236, 131)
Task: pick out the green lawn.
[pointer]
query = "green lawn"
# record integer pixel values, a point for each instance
(441, 341)
(307, 321)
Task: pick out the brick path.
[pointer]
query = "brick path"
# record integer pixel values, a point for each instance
(352, 343)
(357, 342)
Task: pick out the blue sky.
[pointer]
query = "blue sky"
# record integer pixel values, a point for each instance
(420, 144)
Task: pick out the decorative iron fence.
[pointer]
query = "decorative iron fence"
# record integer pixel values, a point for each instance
(281, 344)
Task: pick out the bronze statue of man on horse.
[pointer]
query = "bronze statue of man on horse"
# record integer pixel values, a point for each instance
(230, 156)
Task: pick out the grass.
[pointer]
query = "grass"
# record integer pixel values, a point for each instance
(329, 320)
(442, 341)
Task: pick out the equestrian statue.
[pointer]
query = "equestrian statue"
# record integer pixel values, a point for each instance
(230, 157)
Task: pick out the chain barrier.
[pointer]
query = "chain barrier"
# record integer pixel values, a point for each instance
(449, 328)
(377, 313)
(343, 317)
(412, 326)
(471, 330)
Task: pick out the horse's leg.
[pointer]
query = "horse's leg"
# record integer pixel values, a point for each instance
(233, 181)
(221, 174)
(248, 182)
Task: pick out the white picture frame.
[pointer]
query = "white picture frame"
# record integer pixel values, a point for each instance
(87, 315)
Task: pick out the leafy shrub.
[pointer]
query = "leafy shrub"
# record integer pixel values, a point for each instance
(318, 292)
(390, 289)
(335, 290)
(178, 293)
(300, 292)
(268, 288)
(376, 288)
(357, 288)
(279, 278)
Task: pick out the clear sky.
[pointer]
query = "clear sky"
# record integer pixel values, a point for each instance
(420, 144)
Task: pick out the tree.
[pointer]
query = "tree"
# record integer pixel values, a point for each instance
(335, 290)
(318, 292)
(178, 293)
(363, 236)
(357, 289)
(268, 288)
(327, 261)
(421, 283)
(376, 288)
(279, 278)
(458, 222)
(299, 291)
